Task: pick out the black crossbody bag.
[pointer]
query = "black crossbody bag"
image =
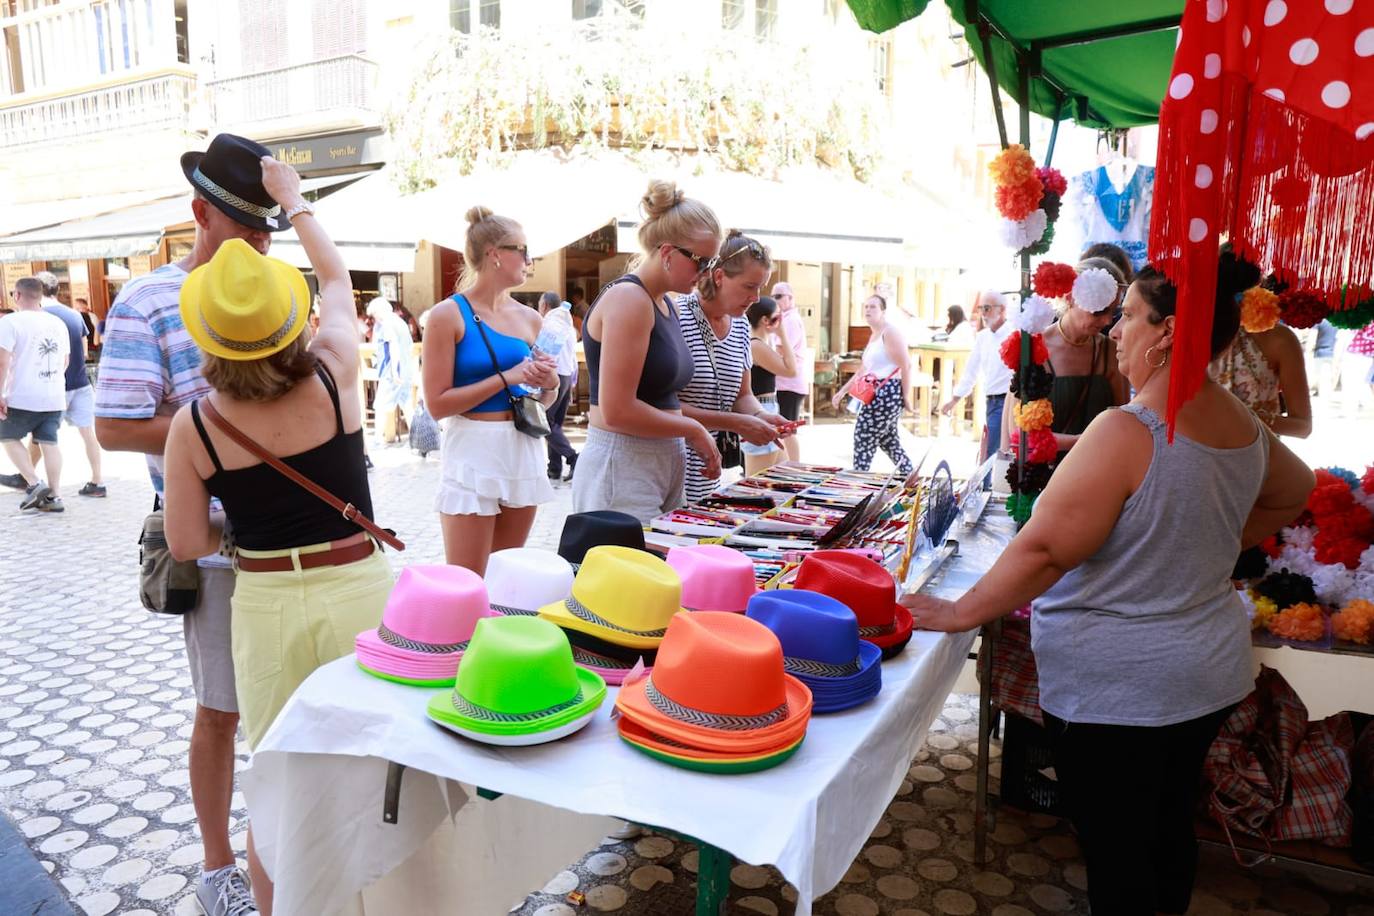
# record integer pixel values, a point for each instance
(527, 411)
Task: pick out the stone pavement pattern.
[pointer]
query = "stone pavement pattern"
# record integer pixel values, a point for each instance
(96, 710)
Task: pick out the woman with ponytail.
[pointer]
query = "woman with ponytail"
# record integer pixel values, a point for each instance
(476, 356)
(1141, 641)
(637, 362)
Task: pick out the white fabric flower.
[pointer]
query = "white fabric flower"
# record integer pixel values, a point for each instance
(1367, 560)
(1295, 560)
(1363, 586)
(1300, 538)
(1333, 583)
(1249, 602)
(1018, 234)
(1094, 290)
(1036, 315)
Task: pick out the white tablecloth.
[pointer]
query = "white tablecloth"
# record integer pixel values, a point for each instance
(315, 787)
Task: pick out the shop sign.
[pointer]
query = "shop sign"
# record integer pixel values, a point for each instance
(14, 271)
(324, 153)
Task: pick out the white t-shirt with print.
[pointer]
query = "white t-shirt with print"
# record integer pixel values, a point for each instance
(39, 347)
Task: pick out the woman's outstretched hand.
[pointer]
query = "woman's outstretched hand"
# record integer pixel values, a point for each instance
(929, 613)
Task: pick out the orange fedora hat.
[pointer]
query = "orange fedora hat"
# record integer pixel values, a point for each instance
(719, 685)
(867, 588)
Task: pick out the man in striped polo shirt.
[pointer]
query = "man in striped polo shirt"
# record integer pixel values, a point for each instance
(149, 366)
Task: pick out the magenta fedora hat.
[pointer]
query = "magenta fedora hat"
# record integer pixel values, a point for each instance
(714, 578)
(428, 620)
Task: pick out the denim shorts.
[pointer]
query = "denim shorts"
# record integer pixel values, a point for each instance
(80, 410)
(42, 423)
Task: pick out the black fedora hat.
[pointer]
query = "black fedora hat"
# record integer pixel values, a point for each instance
(584, 530)
(229, 175)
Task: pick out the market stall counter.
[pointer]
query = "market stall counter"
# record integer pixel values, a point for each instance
(316, 787)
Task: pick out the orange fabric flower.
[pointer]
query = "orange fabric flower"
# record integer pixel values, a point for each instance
(1300, 623)
(1033, 416)
(1018, 201)
(1259, 310)
(1014, 165)
(1354, 622)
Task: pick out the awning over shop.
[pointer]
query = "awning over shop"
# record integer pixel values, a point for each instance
(1102, 64)
(25, 217)
(369, 221)
(806, 216)
(132, 230)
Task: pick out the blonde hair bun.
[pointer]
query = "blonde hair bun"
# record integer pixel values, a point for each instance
(661, 197)
(477, 214)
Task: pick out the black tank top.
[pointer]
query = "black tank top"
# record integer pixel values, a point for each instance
(761, 381)
(667, 363)
(268, 511)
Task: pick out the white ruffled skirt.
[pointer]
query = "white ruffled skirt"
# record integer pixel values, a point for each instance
(488, 466)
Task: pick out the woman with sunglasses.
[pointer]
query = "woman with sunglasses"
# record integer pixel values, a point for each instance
(637, 362)
(720, 395)
(476, 356)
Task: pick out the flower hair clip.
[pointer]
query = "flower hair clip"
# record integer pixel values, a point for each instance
(1095, 290)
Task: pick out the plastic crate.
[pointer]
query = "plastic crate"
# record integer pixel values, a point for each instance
(1026, 751)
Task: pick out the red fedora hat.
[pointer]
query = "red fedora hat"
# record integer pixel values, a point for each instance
(867, 588)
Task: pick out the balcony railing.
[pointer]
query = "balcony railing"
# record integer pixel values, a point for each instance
(336, 84)
(155, 100)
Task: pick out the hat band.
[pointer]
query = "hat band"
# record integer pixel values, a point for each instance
(626, 654)
(232, 199)
(584, 657)
(513, 611)
(581, 611)
(884, 630)
(686, 714)
(252, 346)
(813, 668)
(473, 711)
(392, 638)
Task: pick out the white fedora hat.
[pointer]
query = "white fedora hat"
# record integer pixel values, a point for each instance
(521, 580)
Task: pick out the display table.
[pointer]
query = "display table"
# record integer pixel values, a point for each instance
(950, 362)
(315, 787)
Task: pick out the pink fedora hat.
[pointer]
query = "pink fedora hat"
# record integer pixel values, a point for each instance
(714, 578)
(425, 627)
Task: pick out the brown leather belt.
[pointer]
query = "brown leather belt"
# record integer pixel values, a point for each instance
(338, 556)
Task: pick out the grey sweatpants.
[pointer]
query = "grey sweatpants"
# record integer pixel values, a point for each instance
(640, 477)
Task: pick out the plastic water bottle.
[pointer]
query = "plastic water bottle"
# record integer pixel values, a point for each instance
(551, 335)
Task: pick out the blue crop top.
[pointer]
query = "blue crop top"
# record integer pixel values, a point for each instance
(472, 360)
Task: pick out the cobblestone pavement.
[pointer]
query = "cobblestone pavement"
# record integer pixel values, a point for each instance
(96, 710)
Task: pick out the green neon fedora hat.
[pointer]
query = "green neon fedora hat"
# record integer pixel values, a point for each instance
(517, 684)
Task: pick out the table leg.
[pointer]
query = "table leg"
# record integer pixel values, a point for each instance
(980, 799)
(713, 880)
(391, 802)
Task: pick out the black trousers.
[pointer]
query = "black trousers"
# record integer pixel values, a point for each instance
(790, 404)
(559, 448)
(1131, 792)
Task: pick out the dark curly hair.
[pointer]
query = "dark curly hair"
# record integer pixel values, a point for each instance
(1234, 276)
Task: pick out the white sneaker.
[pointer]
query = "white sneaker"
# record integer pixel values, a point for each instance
(225, 892)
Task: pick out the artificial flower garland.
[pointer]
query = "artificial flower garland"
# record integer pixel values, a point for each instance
(1352, 319)
(1028, 198)
(1095, 290)
(1032, 416)
(1302, 309)
(1259, 310)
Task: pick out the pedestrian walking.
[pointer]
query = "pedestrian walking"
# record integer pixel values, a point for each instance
(985, 365)
(308, 577)
(880, 389)
(80, 409)
(395, 363)
(637, 362)
(476, 365)
(33, 363)
(558, 330)
(793, 388)
(150, 366)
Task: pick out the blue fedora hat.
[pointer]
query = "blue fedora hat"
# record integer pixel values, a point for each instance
(821, 646)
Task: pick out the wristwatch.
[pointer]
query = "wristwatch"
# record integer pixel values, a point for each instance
(298, 209)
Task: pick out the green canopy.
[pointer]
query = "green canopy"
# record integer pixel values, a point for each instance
(1102, 64)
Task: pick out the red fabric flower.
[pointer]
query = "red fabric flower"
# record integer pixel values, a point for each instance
(1301, 308)
(1367, 482)
(1329, 499)
(1018, 201)
(1041, 447)
(1053, 180)
(1271, 547)
(1053, 279)
(1011, 350)
(1344, 550)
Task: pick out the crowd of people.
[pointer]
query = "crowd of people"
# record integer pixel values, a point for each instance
(218, 369)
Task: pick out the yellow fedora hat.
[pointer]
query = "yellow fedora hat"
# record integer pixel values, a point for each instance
(242, 305)
(621, 595)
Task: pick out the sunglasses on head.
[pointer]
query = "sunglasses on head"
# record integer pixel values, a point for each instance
(522, 250)
(757, 251)
(702, 264)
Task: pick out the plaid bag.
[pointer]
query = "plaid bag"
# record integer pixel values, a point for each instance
(1015, 680)
(1271, 776)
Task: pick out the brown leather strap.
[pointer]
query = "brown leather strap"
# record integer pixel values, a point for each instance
(348, 510)
(339, 556)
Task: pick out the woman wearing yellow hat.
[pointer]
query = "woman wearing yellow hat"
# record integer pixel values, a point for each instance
(307, 578)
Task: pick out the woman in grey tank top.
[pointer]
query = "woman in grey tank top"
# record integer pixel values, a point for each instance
(1139, 636)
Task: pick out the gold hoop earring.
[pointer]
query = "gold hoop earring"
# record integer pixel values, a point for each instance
(1163, 361)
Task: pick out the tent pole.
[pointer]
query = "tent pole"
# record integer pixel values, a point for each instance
(1054, 131)
(972, 14)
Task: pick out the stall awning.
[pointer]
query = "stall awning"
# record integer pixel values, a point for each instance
(807, 216)
(370, 223)
(132, 230)
(27, 217)
(1102, 64)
